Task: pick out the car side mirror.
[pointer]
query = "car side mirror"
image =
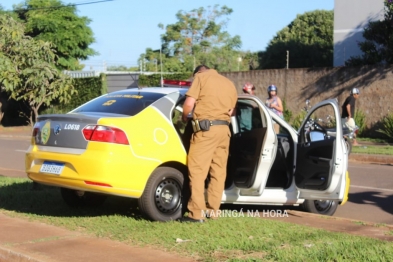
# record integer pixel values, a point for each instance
(316, 136)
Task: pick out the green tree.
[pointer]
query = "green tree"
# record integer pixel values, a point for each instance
(377, 47)
(197, 37)
(196, 31)
(27, 69)
(309, 40)
(52, 21)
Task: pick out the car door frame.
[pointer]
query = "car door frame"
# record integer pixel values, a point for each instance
(336, 188)
(268, 149)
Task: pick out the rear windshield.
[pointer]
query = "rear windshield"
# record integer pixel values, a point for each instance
(125, 103)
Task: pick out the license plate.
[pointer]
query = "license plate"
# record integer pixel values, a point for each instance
(52, 168)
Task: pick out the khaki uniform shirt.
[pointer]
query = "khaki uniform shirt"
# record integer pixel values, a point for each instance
(215, 96)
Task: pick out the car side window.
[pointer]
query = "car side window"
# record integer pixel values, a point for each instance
(320, 124)
(282, 130)
(177, 114)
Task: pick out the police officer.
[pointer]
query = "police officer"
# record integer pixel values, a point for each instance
(212, 99)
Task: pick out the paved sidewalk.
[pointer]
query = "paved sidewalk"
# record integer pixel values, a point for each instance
(22, 240)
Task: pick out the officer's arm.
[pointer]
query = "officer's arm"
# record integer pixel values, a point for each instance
(188, 106)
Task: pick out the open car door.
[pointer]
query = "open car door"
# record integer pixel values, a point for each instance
(321, 160)
(253, 146)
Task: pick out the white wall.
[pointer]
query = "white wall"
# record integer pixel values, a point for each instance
(350, 18)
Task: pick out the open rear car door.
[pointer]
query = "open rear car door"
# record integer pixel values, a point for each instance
(252, 148)
(321, 160)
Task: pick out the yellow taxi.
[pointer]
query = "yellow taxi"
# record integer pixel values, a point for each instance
(132, 143)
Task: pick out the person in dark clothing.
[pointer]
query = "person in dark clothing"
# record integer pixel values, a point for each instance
(348, 111)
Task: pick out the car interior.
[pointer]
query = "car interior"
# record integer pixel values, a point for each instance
(248, 129)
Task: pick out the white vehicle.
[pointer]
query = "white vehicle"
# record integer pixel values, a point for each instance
(306, 167)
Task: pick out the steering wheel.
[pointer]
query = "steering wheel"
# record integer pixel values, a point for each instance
(318, 127)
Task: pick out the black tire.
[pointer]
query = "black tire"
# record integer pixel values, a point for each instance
(322, 207)
(75, 198)
(349, 146)
(162, 198)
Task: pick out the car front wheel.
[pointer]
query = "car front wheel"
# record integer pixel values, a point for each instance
(322, 207)
(162, 198)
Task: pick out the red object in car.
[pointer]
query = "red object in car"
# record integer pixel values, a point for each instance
(176, 83)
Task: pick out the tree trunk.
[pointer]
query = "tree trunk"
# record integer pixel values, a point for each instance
(35, 111)
(31, 118)
(1, 112)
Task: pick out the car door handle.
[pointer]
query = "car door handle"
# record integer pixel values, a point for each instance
(317, 159)
(307, 144)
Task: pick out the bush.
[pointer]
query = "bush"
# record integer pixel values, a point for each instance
(88, 89)
(387, 123)
(360, 120)
(298, 120)
(286, 112)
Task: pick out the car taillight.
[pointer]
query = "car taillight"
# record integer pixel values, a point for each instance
(35, 130)
(105, 134)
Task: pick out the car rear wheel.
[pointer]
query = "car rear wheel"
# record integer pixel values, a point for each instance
(322, 207)
(75, 198)
(162, 198)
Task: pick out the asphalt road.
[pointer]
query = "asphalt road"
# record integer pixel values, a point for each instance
(370, 195)
(12, 155)
(370, 198)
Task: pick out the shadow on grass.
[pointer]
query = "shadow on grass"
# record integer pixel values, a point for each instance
(23, 197)
(44, 200)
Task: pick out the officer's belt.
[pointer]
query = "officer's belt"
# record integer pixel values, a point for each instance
(218, 122)
(204, 125)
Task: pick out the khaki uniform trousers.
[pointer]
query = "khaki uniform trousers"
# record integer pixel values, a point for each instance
(208, 155)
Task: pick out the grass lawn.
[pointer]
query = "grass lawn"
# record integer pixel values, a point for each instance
(369, 149)
(227, 239)
(384, 147)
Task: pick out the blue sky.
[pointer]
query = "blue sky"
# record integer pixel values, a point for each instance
(124, 28)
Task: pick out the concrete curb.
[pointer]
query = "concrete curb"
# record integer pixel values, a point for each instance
(333, 218)
(9, 255)
(372, 159)
(339, 224)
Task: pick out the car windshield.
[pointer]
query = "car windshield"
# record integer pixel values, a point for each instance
(123, 102)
